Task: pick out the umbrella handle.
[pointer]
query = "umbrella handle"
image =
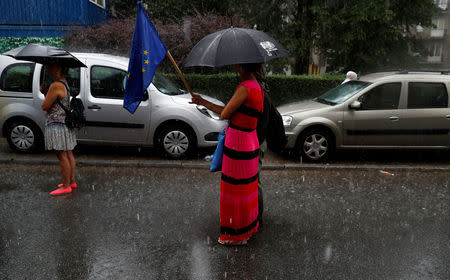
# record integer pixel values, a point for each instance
(179, 73)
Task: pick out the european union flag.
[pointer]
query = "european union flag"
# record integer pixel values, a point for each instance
(147, 52)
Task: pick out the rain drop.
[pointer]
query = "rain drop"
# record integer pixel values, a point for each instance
(328, 253)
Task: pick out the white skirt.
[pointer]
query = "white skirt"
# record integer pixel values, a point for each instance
(58, 137)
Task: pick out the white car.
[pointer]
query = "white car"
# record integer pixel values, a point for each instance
(164, 119)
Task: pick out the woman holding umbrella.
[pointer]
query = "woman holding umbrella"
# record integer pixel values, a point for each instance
(247, 50)
(239, 181)
(57, 136)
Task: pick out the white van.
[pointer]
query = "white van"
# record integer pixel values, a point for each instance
(164, 119)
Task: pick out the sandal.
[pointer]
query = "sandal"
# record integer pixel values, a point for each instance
(233, 243)
(72, 185)
(61, 191)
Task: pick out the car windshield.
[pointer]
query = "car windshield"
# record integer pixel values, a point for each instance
(341, 93)
(164, 85)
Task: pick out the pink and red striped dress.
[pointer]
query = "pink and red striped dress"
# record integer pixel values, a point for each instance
(239, 181)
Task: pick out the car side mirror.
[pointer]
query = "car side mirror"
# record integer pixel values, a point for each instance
(145, 97)
(355, 105)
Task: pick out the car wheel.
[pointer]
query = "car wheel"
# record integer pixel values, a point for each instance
(315, 145)
(24, 137)
(176, 141)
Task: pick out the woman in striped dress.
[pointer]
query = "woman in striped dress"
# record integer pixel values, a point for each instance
(239, 181)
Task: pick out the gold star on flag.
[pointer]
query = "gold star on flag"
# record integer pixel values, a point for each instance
(143, 69)
(146, 61)
(145, 52)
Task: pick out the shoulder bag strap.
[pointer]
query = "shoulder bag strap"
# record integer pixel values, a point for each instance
(62, 106)
(68, 94)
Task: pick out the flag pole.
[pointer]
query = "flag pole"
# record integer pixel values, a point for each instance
(179, 73)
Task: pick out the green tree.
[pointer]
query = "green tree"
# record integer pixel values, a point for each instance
(176, 10)
(357, 34)
(368, 34)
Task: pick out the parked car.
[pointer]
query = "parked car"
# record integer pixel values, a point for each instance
(164, 119)
(380, 110)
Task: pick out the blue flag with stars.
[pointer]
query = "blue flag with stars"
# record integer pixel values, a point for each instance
(147, 52)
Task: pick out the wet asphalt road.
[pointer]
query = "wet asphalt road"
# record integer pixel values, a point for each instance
(160, 223)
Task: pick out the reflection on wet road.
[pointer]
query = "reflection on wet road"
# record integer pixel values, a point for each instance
(160, 223)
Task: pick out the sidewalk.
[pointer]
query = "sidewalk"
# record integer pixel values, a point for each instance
(134, 157)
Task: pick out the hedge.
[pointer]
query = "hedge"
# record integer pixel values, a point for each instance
(283, 89)
(8, 43)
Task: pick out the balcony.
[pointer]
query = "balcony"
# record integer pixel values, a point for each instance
(443, 6)
(438, 33)
(434, 59)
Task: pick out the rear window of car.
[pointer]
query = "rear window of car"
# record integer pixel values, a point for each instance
(17, 77)
(427, 95)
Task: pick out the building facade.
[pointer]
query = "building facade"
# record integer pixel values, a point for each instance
(49, 18)
(436, 40)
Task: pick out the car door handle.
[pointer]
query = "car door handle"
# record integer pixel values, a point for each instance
(448, 116)
(393, 118)
(94, 107)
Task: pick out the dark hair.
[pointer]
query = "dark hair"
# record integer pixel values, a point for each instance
(260, 75)
(64, 69)
(252, 67)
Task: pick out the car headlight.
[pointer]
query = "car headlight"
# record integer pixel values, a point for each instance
(287, 120)
(207, 112)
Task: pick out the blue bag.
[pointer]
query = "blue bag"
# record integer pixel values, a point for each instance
(216, 163)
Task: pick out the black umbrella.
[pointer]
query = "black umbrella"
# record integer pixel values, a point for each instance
(45, 55)
(235, 46)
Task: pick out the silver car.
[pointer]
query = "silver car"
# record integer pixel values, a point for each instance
(381, 110)
(165, 119)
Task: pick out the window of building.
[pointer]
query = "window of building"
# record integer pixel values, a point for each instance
(100, 3)
(18, 77)
(436, 49)
(107, 82)
(427, 95)
(441, 4)
(439, 22)
(383, 97)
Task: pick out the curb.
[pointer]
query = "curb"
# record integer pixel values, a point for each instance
(205, 165)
